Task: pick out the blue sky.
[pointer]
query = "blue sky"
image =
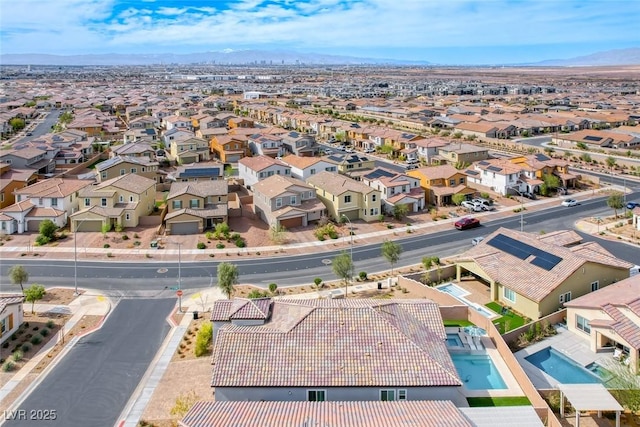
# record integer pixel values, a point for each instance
(439, 31)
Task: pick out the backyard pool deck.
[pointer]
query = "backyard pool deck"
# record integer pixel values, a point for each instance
(567, 343)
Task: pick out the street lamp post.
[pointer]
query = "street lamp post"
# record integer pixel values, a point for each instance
(521, 207)
(179, 276)
(75, 257)
(350, 249)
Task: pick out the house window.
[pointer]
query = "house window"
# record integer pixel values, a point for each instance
(461, 180)
(373, 211)
(452, 182)
(54, 201)
(194, 203)
(293, 200)
(103, 202)
(87, 202)
(121, 199)
(287, 172)
(349, 166)
(347, 199)
(127, 217)
(595, 286)
(278, 202)
(134, 170)
(391, 394)
(316, 395)
(583, 324)
(177, 204)
(103, 175)
(131, 198)
(402, 394)
(373, 197)
(143, 169)
(312, 171)
(566, 297)
(122, 172)
(509, 295)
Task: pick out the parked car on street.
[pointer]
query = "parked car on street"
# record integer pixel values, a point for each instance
(466, 223)
(569, 202)
(472, 206)
(632, 205)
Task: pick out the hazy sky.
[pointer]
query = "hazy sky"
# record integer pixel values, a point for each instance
(438, 31)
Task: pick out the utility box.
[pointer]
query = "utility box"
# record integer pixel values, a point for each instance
(154, 244)
(195, 315)
(379, 285)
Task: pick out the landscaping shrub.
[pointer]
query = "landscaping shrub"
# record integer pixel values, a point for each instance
(235, 236)
(17, 356)
(44, 332)
(25, 347)
(203, 339)
(42, 240)
(201, 245)
(106, 246)
(36, 339)
(363, 275)
(51, 324)
(137, 243)
(135, 236)
(220, 246)
(125, 237)
(240, 242)
(8, 366)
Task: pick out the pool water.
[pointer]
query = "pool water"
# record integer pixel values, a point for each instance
(600, 371)
(452, 289)
(562, 368)
(478, 372)
(459, 293)
(453, 340)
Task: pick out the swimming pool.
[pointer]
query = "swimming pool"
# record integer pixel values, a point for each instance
(561, 367)
(453, 290)
(477, 371)
(453, 340)
(458, 293)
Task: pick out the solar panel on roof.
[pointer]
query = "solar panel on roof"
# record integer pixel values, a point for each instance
(379, 173)
(200, 172)
(523, 251)
(336, 158)
(592, 138)
(494, 168)
(541, 157)
(483, 163)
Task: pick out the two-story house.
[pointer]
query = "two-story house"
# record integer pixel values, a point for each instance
(303, 145)
(122, 165)
(55, 199)
(440, 183)
(193, 207)
(427, 149)
(10, 180)
(304, 167)
(345, 196)
(177, 122)
(350, 163)
(230, 148)
(267, 145)
(117, 202)
(190, 150)
(11, 315)
(462, 154)
(396, 189)
(29, 158)
(138, 149)
(254, 169)
(282, 201)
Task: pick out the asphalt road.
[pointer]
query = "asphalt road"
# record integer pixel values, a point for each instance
(43, 127)
(378, 163)
(144, 278)
(93, 382)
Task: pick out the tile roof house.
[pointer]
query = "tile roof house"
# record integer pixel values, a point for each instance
(54, 199)
(10, 180)
(345, 196)
(193, 207)
(230, 148)
(11, 315)
(303, 145)
(116, 202)
(304, 167)
(459, 153)
(255, 169)
(535, 274)
(396, 189)
(282, 201)
(205, 171)
(609, 318)
(268, 145)
(190, 150)
(333, 350)
(440, 183)
(122, 165)
(29, 158)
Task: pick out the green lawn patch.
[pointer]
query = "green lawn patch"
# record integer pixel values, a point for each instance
(498, 401)
(93, 165)
(507, 322)
(460, 323)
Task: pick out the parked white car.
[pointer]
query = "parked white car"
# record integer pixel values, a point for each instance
(569, 202)
(475, 207)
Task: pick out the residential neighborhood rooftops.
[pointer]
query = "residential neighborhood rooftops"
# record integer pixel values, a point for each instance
(337, 184)
(53, 187)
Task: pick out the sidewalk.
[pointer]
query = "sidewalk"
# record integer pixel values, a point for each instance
(315, 246)
(89, 303)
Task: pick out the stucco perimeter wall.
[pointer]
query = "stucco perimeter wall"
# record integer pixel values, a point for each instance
(451, 309)
(551, 319)
(538, 403)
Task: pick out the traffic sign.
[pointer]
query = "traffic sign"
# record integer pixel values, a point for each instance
(179, 292)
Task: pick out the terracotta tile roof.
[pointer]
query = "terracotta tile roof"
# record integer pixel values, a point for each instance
(38, 212)
(336, 184)
(561, 238)
(435, 172)
(128, 182)
(199, 188)
(241, 309)
(530, 280)
(335, 343)
(53, 187)
(6, 300)
(303, 162)
(423, 413)
(279, 184)
(259, 163)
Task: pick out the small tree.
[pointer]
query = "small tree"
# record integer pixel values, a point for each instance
(317, 282)
(611, 163)
(34, 293)
(277, 234)
(400, 211)
(273, 287)
(105, 229)
(18, 275)
(550, 183)
(615, 201)
(203, 339)
(48, 229)
(458, 198)
(221, 230)
(391, 252)
(342, 266)
(227, 278)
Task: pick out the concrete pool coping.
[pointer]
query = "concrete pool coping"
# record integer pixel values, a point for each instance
(460, 295)
(567, 343)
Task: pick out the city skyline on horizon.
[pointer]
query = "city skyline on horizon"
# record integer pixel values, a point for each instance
(460, 32)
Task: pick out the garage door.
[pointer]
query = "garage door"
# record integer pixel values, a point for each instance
(88, 226)
(291, 222)
(184, 228)
(352, 215)
(33, 225)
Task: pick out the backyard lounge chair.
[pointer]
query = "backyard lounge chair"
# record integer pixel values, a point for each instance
(617, 354)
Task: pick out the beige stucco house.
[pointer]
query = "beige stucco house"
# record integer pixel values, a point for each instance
(11, 315)
(193, 207)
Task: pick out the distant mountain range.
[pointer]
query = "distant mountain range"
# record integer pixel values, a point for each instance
(228, 57)
(629, 56)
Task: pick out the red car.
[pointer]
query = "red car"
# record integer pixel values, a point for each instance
(467, 222)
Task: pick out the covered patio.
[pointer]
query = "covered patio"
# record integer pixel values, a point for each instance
(588, 397)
